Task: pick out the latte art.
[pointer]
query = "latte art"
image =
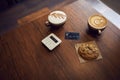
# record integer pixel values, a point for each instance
(57, 17)
(97, 21)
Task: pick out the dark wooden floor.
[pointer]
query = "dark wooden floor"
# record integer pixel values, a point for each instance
(114, 4)
(9, 17)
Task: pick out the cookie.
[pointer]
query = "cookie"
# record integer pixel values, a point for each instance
(88, 51)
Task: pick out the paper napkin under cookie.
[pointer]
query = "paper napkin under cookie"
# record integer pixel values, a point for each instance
(82, 60)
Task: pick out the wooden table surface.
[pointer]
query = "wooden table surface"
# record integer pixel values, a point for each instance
(23, 56)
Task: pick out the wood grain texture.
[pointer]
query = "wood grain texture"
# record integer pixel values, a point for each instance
(23, 56)
(9, 17)
(31, 17)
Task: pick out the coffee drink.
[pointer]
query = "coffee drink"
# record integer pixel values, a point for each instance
(97, 22)
(57, 18)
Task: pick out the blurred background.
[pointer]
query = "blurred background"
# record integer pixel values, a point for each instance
(12, 10)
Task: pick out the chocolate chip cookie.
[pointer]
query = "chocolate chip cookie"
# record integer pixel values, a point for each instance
(88, 51)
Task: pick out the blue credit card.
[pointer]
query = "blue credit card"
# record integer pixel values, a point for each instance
(72, 35)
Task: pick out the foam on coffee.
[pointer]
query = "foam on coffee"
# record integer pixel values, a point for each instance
(97, 21)
(57, 17)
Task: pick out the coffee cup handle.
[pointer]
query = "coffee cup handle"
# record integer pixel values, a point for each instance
(99, 31)
(47, 23)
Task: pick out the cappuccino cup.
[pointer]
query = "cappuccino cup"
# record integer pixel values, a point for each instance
(56, 18)
(97, 23)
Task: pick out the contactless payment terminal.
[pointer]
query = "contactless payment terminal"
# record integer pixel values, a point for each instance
(51, 41)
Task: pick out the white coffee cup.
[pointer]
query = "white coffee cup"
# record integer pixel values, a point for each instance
(56, 18)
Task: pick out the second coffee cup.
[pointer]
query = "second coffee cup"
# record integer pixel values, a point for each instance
(97, 23)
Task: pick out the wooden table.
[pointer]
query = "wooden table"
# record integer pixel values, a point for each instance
(23, 57)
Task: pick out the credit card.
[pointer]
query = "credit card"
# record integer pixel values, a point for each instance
(72, 35)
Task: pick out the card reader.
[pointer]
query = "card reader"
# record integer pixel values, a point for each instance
(51, 41)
